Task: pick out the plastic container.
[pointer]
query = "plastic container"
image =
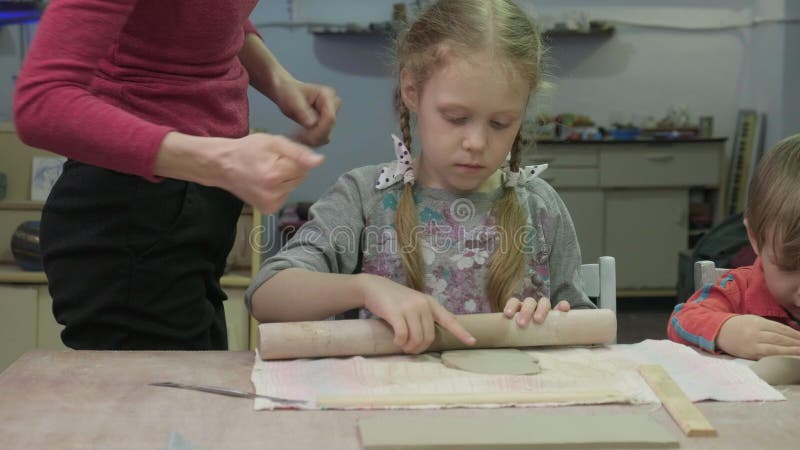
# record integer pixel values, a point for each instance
(624, 134)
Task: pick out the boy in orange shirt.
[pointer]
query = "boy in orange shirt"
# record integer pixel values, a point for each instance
(752, 312)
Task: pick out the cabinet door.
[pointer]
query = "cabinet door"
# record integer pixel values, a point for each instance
(48, 332)
(645, 230)
(17, 322)
(586, 209)
(237, 320)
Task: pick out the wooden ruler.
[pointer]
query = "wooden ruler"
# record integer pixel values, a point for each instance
(682, 410)
(741, 161)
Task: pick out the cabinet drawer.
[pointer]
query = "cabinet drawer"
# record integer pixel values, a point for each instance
(661, 165)
(565, 156)
(571, 177)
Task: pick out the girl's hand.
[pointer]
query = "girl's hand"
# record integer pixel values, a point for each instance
(531, 309)
(754, 337)
(410, 313)
(313, 106)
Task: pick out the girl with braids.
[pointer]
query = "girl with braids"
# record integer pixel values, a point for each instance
(461, 228)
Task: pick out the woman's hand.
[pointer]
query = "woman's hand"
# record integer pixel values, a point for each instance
(261, 169)
(410, 313)
(313, 106)
(530, 309)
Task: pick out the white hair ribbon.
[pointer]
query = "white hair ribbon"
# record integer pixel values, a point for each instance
(401, 169)
(523, 175)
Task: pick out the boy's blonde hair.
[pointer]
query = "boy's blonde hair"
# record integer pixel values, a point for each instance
(773, 202)
(460, 28)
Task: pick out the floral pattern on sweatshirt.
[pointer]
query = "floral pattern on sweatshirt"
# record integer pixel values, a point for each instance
(457, 253)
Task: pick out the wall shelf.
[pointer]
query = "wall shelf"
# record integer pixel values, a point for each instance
(389, 29)
(378, 29)
(596, 29)
(11, 15)
(10, 273)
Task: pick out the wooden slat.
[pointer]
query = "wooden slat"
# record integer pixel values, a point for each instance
(348, 401)
(682, 410)
(234, 279)
(11, 273)
(21, 205)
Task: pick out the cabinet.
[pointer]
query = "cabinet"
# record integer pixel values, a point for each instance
(630, 200)
(18, 307)
(26, 319)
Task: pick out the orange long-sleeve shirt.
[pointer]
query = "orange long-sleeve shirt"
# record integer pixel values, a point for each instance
(739, 291)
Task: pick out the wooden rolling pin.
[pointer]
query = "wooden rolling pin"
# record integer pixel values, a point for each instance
(291, 340)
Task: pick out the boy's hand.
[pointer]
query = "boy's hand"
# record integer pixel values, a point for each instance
(411, 314)
(531, 309)
(754, 337)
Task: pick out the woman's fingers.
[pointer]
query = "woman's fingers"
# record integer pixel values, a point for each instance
(325, 103)
(297, 153)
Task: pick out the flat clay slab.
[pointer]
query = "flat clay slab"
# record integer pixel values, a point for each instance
(507, 361)
(778, 370)
(522, 431)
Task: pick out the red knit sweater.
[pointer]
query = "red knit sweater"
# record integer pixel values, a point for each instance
(105, 80)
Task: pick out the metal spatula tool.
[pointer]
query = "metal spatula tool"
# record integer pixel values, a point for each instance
(228, 392)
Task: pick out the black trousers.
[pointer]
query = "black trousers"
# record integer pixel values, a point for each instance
(135, 265)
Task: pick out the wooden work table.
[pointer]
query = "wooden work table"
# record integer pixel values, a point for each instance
(82, 399)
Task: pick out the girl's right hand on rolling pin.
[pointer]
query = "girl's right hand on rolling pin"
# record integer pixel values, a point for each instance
(531, 310)
(410, 313)
(263, 169)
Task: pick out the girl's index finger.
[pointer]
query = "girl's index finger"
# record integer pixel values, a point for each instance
(448, 321)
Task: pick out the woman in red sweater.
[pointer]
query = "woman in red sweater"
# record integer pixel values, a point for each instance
(148, 100)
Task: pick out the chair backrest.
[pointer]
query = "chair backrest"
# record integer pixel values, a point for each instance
(706, 272)
(600, 282)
